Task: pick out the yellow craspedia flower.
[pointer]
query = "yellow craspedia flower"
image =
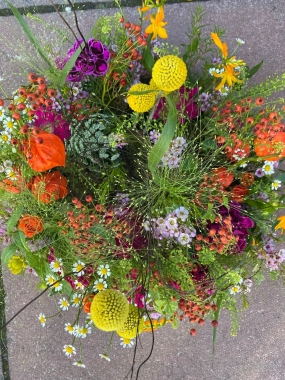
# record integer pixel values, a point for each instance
(16, 264)
(169, 73)
(109, 310)
(141, 103)
(132, 325)
(153, 86)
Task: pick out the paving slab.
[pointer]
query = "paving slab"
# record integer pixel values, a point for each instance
(258, 351)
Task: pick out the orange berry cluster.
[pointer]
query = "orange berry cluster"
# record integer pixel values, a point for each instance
(219, 238)
(196, 313)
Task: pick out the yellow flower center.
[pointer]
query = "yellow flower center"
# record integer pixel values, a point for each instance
(100, 286)
(10, 124)
(104, 271)
(69, 350)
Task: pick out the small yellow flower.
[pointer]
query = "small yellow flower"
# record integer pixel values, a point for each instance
(16, 264)
(144, 102)
(281, 224)
(169, 73)
(228, 76)
(221, 45)
(156, 28)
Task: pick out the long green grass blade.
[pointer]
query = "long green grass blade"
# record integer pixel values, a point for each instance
(29, 33)
(157, 152)
(216, 316)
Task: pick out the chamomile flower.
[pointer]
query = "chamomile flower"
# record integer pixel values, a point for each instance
(79, 364)
(8, 164)
(76, 300)
(99, 285)
(126, 342)
(11, 174)
(104, 271)
(2, 114)
(42, 319)
(69, 328)
(63, 304)
(78, 268)
(78, 285)
(275, 184)
(52, 281)
(104, 356)
(9, 124)
(235, 289)
(268, 167)
(5, 137)
(81, 331)
(239, 41)
(56, 265)
(69, 350)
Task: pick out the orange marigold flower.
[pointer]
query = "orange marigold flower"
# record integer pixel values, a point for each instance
(31, 225)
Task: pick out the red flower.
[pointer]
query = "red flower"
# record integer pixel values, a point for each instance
(238, 193)
(266, 147)
(223, 176)
(50, 187)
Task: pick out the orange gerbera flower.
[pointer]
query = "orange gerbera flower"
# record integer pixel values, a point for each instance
(50, 187)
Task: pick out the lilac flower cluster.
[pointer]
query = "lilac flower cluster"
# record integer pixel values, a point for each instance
(92, 61)
(121, 207)
(273, 258)
(171, 228)
(75, 93)
(117, 141)
(172, 156)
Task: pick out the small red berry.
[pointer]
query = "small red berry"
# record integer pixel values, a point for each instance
(193, 332)
(122, 19)
(88, 198)
(127, 25)
(22, 92)
(41, 80)
(11, 107)
(214, 323)
(16, 116)
(32, 77)
(21, 106)
(24, 129)
(51, 92)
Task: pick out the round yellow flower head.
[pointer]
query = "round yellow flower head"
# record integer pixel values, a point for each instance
(16, 264)
(109, 310)
(169, 73)
(141, 103)
(153, 86)
(133, 325)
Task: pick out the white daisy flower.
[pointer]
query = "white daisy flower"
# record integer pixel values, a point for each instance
(126, 342)
(79, 364)
(268, 167)
(78, 285)
(99, 285)
(275, 184)
(63, 304)
(42, 319)
(69, 328)
(52, 281)
(56, 265)
(78, 268)
(81, 331)
(103, 356)
(5, 137)
(69, 350)
(235, 289)
(104, 271)
(239, 41)
(8, 164)
(11, 174)
(76, 300)
(9, 124)
(2, 113)
(75, 90)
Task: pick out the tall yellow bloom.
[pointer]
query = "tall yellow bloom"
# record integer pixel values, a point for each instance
(221, 45)
(156, 28)
(281, 224)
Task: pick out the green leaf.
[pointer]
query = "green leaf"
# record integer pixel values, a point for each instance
(189, 164)
(100, 230)
(66, 288)
(209, 215)
(252, 71)
(216, 316)
(8, 252)
(209, 144)
(14, 218)
(29, 33)
(37, 263)
(157, 152)
(281, 177)
(20, 241)
(148, 60)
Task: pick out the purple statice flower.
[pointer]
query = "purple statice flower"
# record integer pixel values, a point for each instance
(172, 156)
(259, 173)
(118, 140)
(92, 61)
(264, 196)
(153, 136)
(203, 97)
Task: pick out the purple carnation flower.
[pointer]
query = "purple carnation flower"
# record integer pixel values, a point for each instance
(92, 61)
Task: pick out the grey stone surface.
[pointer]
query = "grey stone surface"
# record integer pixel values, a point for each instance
(257, 353)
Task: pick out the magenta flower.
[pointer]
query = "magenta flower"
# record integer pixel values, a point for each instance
(185, 104)
(53, 123)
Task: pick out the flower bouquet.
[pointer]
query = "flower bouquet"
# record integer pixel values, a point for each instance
(137, 188)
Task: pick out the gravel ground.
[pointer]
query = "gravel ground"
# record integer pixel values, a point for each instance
(258, 350)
